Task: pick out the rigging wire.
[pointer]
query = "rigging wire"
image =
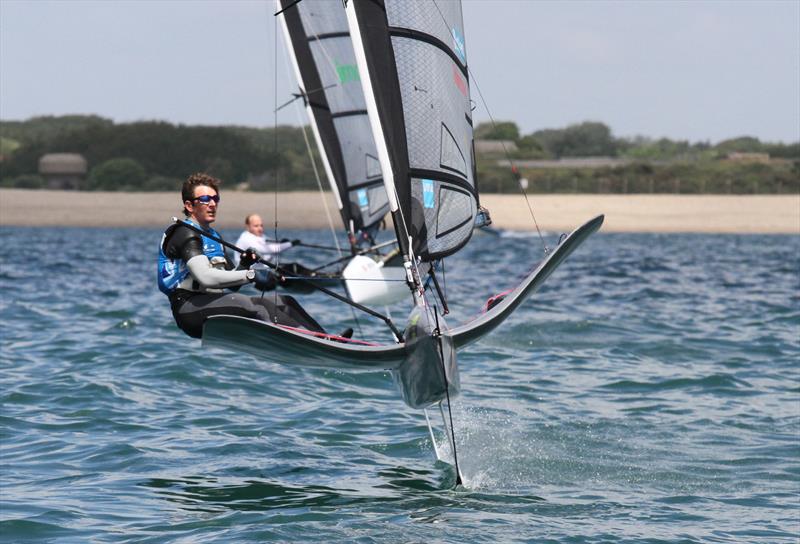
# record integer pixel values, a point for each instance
(318, 279)
(275, 143)
(373, 249)
(447, 395)
(310, 246)
(287, 7)
(439, 293)
(514, 169)
(444, 279)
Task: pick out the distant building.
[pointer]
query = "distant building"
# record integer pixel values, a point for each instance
(571, 162)
(63, 170)
(748, 157)
(495, 146)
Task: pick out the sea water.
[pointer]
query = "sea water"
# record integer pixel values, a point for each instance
(649, 392)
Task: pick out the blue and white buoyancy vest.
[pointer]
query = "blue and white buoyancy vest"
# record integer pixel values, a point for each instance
(174, 273)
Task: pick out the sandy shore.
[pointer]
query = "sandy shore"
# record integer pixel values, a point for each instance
(624, 213)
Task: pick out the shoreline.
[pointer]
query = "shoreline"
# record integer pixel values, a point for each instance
(665, 213)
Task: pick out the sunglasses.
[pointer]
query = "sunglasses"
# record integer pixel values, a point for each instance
(206, 199)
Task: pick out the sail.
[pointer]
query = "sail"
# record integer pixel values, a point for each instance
(413, 61)
(325, 67)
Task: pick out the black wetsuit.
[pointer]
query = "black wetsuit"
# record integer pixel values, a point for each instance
(192, 306)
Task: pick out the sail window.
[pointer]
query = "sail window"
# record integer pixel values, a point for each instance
(455, 210)
(373, 166)
(451, 156)
(378, 202)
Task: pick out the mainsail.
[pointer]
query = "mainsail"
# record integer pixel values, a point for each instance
(325, 66)
(413, 62)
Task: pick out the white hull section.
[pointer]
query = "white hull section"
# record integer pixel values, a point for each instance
(369, 282)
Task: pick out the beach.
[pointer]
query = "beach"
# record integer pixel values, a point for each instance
(309, 209)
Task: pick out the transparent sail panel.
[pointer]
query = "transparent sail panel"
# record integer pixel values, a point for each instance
(362, 171)
(357, 149)
(452, 157)
(370, 203)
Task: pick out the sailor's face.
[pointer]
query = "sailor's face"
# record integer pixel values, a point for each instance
(204, 213)
(256, 226)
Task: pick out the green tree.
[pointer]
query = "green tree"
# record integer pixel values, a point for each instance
(26, 181)
(588, 139)
(220, 168)
(784, 151)
(530, 148)
(118, 175)
(162, 183)
(743, 144)
(7, 147)
(502, 130)
(48, 128)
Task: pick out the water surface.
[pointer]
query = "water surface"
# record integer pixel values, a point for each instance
(648, 393)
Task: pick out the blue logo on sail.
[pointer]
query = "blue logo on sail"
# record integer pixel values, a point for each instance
(428, 198)
(458, 45)
(363, 200)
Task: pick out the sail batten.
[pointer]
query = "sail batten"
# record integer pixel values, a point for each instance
(414, 55)
(348, 113)
(432, 40)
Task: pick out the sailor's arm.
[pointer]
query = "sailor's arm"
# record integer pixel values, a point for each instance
(213, 278)
(190, 248)
(276, 247)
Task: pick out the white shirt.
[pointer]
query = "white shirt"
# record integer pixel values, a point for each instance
(265, 249)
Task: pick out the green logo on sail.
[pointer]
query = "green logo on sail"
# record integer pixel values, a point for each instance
(347, 72)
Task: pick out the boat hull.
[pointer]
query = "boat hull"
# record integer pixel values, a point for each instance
(416, 364)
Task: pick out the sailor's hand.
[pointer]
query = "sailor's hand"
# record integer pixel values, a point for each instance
(249, 257)
(263, 278)
(294, 242)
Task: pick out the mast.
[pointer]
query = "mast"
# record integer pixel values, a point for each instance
(376, 125)
(412, 58)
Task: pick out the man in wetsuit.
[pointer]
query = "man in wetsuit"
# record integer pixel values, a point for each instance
(197, 277)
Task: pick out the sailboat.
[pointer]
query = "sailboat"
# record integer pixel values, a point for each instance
(412, 65)
(323, 60)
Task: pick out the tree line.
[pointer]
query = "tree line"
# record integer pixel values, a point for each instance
(592, 139)
(742, 165)
(157, 156)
